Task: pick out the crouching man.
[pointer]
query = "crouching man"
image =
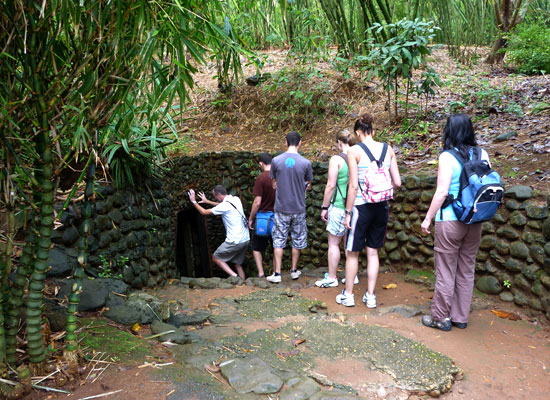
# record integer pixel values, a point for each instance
(234, 248)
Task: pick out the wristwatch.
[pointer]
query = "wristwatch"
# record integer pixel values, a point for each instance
(347, 212)
(324, 208)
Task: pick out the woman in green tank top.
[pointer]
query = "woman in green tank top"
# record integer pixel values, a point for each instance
(333, 207)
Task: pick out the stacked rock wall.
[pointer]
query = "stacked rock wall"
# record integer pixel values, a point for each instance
(513, 261)
(132, 236)
(135, 230)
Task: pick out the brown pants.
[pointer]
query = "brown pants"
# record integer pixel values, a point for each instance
(455, 246)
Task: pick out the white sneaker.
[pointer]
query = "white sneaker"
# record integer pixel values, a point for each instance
(345, 299)
(274, 278)
(327, 282)
(369, 300)
(355, 281)
(295, 274)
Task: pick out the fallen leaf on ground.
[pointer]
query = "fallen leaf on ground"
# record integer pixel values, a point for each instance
(390, 286)
(136, 327)
(506, 315)
(212, 368)
(288, 354)
(296, 342)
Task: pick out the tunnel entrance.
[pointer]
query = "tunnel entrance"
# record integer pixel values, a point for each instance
(192, 245)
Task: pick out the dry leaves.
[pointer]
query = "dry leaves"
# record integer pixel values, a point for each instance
(285, 355)
(390, 286)
(506, 315)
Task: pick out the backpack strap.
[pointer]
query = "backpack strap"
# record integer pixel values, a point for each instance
(242, 215)
(333, 200)
(371, 157)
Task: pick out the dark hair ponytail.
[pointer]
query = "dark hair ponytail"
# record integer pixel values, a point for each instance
(364, 123)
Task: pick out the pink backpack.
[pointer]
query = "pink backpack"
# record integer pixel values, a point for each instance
(377, 186)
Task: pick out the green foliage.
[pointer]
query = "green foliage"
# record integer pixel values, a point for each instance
(514, 108)
(400, 55)
(410, 130)
(298, 98)
(110, 271)
(538, 107)
(529, 48)
(483, 96)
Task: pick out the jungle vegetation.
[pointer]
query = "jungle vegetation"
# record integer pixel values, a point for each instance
(95, 88)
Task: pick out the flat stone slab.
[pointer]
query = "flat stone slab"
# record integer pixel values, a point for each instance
(251, 375)
(264, 304)
(302, 390)
(177, 336)
(413, 366)
(407, 311)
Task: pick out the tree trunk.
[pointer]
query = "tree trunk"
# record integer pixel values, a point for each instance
(496, 56)
(507, 14)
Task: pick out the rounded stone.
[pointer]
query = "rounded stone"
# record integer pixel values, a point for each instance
(503, 247)
(530, 271)
(521, 282)
(489, 285)
(519, 192)
(402, 236)
(518, 219)
(519, 250)
(508, 233)
(506, 296)
(395, 255)
(412, 182)
(537, 253)
(536, 211)
(545, 280)
(116, 216)
(512, 205)
(514, 265)
(488, 242)
(426, 196)
(488, 227)
(520, 299)
(538, 288)
(536, 304)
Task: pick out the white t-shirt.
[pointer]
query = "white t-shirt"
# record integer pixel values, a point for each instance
(236, 231)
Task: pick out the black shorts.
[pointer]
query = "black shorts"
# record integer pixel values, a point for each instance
(368, 226)
(259, 243)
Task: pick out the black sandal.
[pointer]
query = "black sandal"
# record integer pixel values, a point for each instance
(444, 325)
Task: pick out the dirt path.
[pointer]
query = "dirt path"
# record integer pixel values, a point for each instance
(500, 358)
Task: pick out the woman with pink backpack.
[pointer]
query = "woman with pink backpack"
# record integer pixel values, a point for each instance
(373, 174)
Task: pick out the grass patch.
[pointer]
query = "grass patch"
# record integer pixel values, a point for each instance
(99, 336)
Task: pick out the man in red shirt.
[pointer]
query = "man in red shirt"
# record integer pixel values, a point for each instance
(264, 200)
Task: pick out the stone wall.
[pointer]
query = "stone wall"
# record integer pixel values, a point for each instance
(132, 237)
(141, 233)
(513, 261)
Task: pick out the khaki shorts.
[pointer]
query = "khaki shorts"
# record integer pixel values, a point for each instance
(232, 252)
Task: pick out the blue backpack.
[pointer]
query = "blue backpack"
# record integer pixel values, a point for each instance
(480, 192)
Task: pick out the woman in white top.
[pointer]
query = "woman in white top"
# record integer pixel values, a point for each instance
(366, 220)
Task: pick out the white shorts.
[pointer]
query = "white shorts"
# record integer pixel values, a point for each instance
(335, 225)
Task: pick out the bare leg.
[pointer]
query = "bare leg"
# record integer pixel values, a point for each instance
(372, 269)
(259, 262)
(295, 258)
(277, 259)
(352, 262)
(224, 266)
(333, 254)
(240, 271)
